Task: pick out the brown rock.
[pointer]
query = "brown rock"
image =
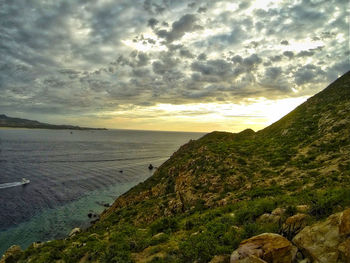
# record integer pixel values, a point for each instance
(302, 208)
(37, 244)
(220, 259)
(296, 219)
(271, 248)
(293, 225)
(344, 228)
(74, 231)
(278, 211)
(344, 249)
(12, 254)
(252, 259)
(323, 243)
(268, 218)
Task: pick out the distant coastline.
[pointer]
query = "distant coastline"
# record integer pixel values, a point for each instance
(9, 122)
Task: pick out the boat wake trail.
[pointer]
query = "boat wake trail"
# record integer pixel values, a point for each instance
(8, 185)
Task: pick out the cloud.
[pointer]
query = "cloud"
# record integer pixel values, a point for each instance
(288, 54)
(152, 22)
(305, 53)
(186, 23)
(252, 60)
(273, 73)
(217, 67)
(202, 10)
(89, 57)
(308, 74)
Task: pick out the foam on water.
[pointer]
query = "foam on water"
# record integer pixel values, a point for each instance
(8, 185)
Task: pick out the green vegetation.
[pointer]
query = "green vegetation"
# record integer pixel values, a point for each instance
(214, 192)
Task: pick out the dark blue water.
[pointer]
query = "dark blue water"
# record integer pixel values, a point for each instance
(71, 175)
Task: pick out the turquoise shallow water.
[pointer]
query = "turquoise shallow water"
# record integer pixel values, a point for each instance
(54, 223)
(71, 175)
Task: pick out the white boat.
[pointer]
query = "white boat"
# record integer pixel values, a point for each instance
(25, 181)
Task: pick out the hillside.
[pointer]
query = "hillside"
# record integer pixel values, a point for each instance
(9, 122)
(217, 191)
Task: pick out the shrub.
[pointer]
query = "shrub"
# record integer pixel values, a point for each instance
(264, 191)
(250, 229)
(325, 203)
(200, 248)
(165, 224)
(253, 210)
(291, 210)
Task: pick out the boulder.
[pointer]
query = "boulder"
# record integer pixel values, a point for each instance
(327, 241)
(278, 211)
(219, 259)
(74, 231)
(267, 247)
(268, 218)
(302, 208)
(293, 225)
(252, 259)
(344, 227)
(298, 219)
(12, 254)
(344, 249)
(37, 244)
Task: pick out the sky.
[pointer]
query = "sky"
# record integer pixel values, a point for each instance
(168, 64)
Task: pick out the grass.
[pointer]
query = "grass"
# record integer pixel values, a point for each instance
(208, 196)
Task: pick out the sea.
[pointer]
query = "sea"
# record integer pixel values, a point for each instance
(72, 173)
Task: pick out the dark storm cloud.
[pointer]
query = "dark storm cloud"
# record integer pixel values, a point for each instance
(202, 56)
(217, 67)
(79, 57)
(238, 33)
(252, 60)
(305, 53)
(186, 53)
(186, 23)
(244, 5)
(308, 74)
(288, 54)
(154, 7)
(273, 73)
(237, 59)
(202, 10)
(276, 58)
(152, 22)
(341, 66)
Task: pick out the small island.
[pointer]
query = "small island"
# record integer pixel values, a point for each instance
(8, 122)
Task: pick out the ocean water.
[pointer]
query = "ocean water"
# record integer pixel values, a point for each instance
(71, 173)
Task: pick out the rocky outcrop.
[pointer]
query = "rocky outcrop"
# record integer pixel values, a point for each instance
(74, 231)
(293, 225)
(328, 241)
(344, 226)
(219, 259)
(302, 208)
(267, 247)
(11, 255)
(275, 216)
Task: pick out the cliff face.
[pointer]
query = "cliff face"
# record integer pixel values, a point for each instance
(223, 188)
